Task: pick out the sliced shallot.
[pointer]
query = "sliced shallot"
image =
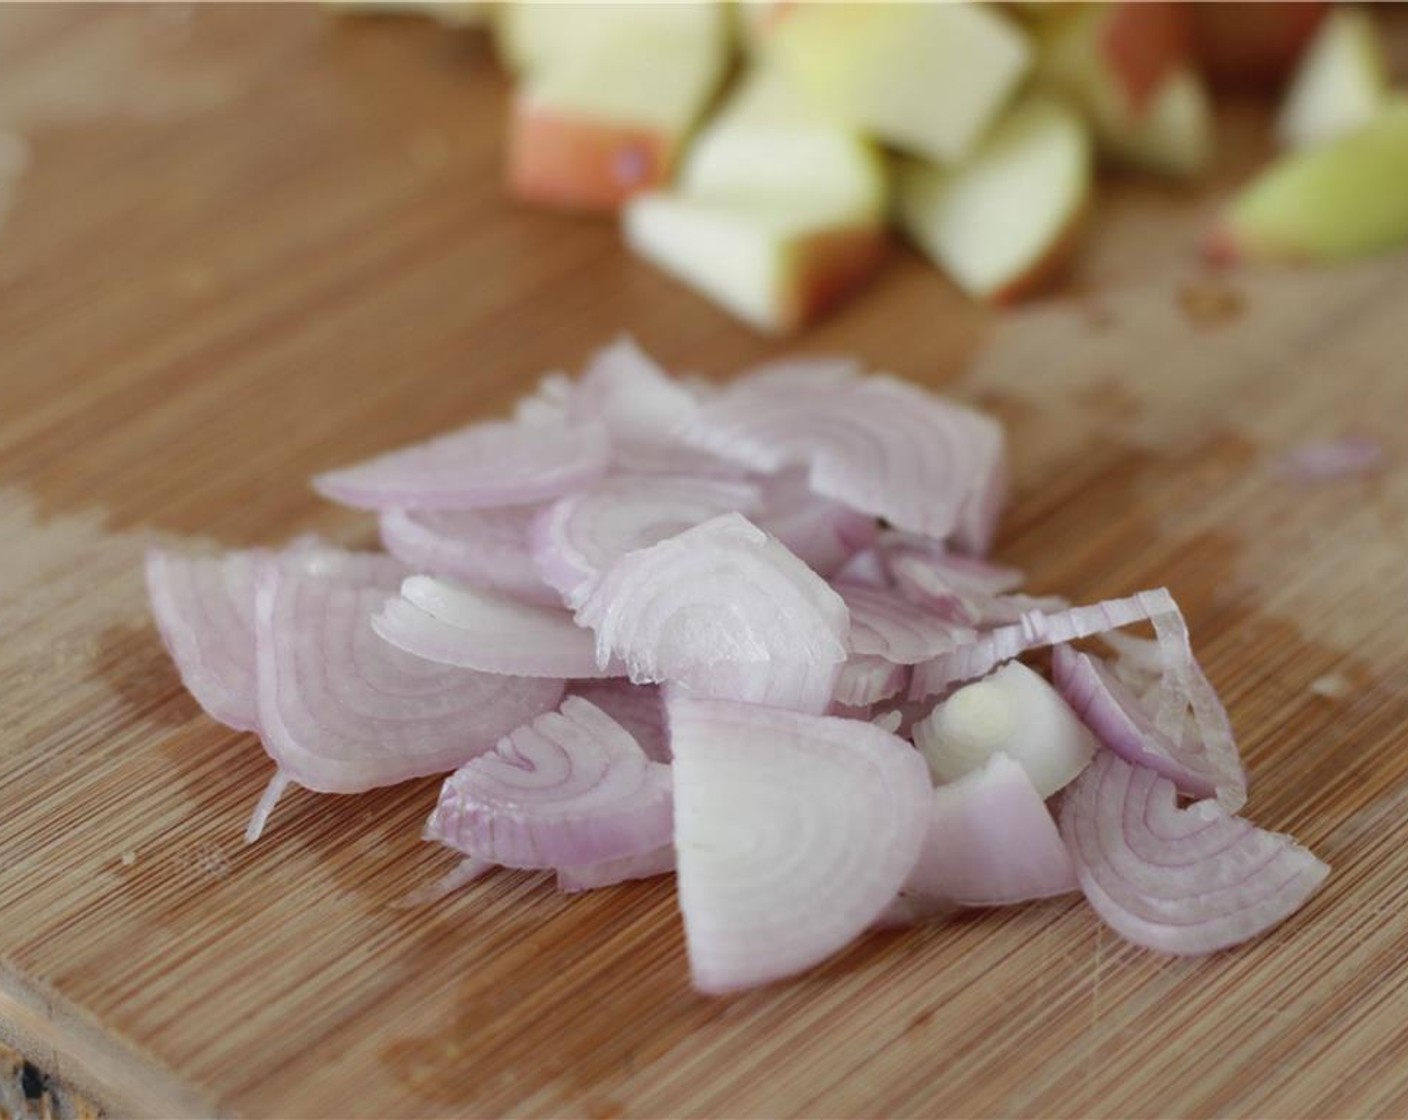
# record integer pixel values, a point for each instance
(792, 834)
(478, 467)
(639, 708)
(589, 877)
(865, 679)
(571, 788)
(1013, 712)
(883, 624)
(341, 711)
(865, 568)
(1184, 881)
(942, 584)
(822, 533)
(880, 445)
(204, 611)
(968, 574)
(640, 405)
(1036, 630)
(458, 625)
(725, 611)
(577, 538)
(1182, 687)
(550, 403)
(1121, 723)
(991, 841)
(485, 548)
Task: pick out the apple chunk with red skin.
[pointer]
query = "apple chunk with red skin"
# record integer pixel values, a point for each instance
(1005, 221)
(608, 124)
(1252, 44)
(1113, 56)
(775, 267)
(778, 212)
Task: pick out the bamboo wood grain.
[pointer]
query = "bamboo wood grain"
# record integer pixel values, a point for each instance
(252, 245)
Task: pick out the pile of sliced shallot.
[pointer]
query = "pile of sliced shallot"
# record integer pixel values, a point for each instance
(745, 635)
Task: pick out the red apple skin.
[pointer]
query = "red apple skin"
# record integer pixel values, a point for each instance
(1252, 45)
(829, 266)
(1050, 267)
(571, 163)
(1142, 41)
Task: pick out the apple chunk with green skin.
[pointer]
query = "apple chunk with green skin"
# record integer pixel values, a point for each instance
(768, 145)
(1005, 220)
(589, 134)
(928, 78)
(775, 267)
(532, 36)
(1341, 83)
(1346, 198)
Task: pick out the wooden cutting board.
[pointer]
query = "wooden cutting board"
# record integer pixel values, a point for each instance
(251, 244)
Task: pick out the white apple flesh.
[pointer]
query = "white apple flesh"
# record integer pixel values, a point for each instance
(1173, 138)
(926, 77)
(776, 268)
(1340, 84)
(533, 36)
(1003, 221)
(590, 133)
(768, 145)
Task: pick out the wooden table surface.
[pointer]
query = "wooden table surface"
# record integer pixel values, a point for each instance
(251, 244)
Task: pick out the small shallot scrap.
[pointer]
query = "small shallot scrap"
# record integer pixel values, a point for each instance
(747, 636)
(1330, 460)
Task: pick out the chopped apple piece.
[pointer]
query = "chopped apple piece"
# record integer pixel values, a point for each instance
(754, 21)
(1342, 199)
(1124, 65)
(1175, 136)
(1005, 220)
(928, 78)
(776, 267)
(1341, 83)
(1115, 55)
(532, 35)
(589, 134)
(768, 145)
(1252, 44)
